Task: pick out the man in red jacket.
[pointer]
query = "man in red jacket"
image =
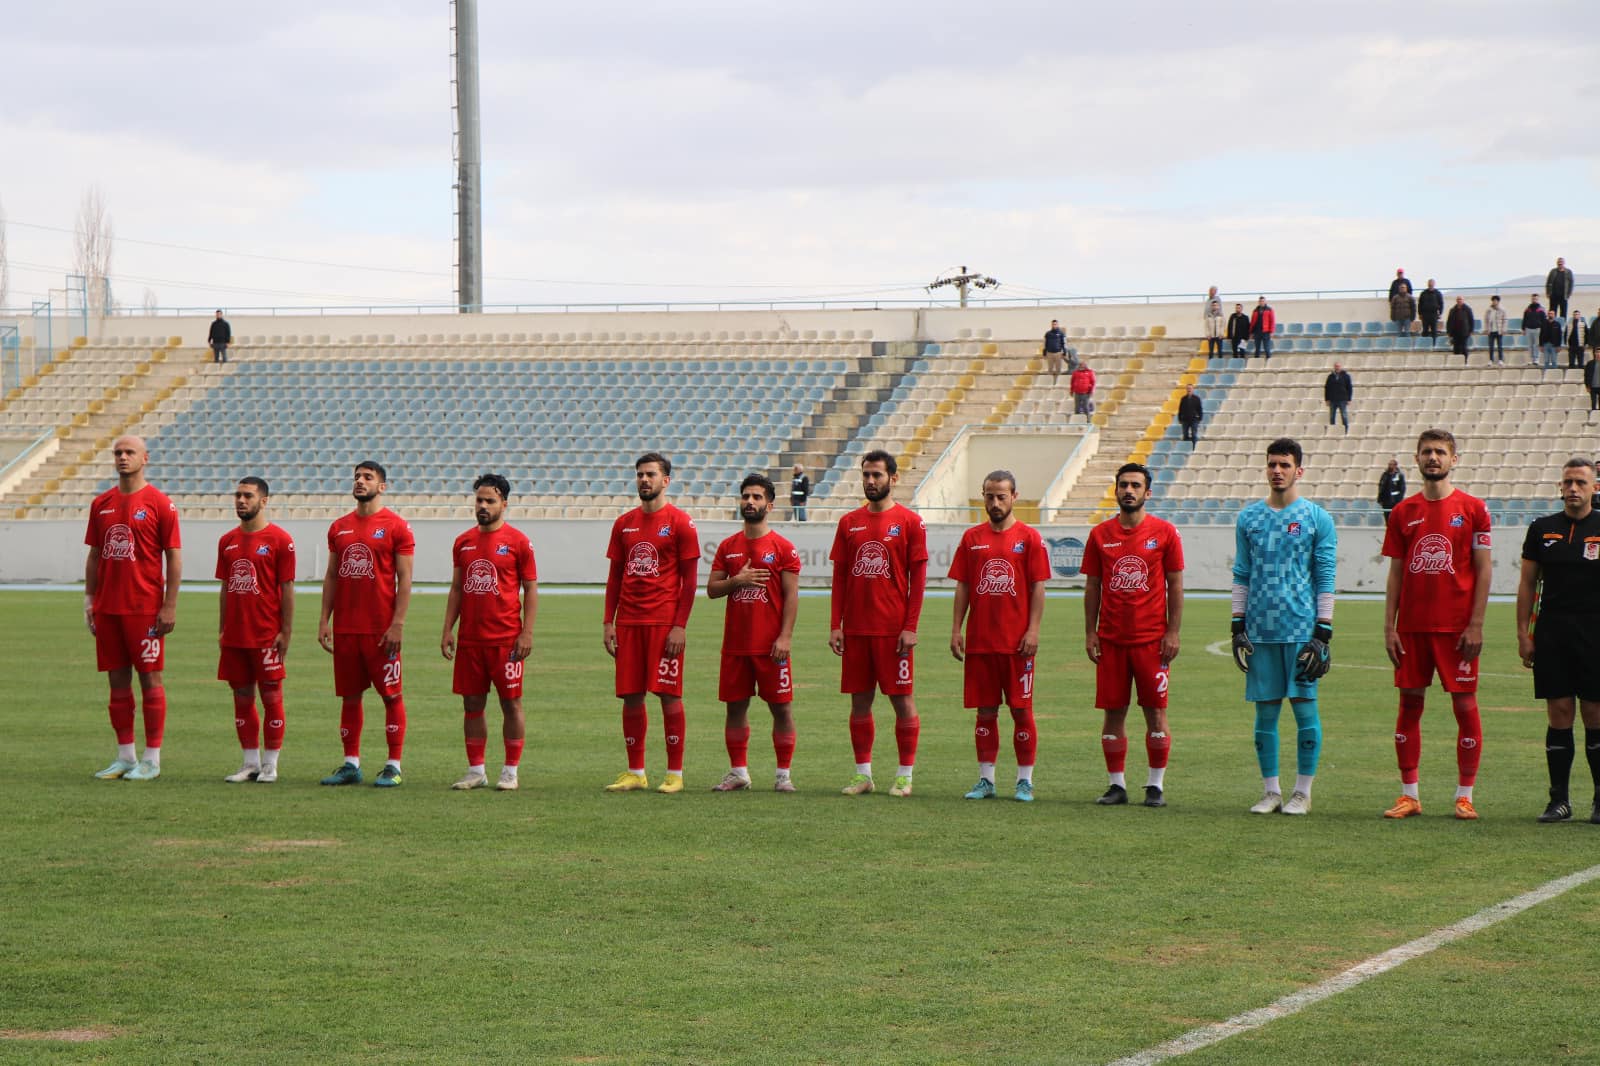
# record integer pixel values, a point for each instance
(1083, 389)
(1262, 322)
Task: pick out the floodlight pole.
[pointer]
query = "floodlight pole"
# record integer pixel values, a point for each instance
(469, 161)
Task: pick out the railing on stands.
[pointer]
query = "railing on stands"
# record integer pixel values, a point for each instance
(801, 303)
(22, 457)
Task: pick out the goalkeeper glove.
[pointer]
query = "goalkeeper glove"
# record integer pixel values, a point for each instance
(1314, 658)
(1242, 648)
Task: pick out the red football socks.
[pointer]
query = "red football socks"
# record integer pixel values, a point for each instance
(155, 716)
(1408, 737)
(1116, 753)
(862, 734)
(350, 720)
(122, 714)
(514, 752)
(245, 722)
(986, 737)
(1158, 747)
(272, 715)
(783, 748)
(673, 723)
(738, 744)
(1469, 736)
(1024, 737)
(906, 731)
(394, 725)
(635, 727)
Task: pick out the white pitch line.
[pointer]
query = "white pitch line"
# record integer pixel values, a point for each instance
(1294, 1002)
(1224, 648)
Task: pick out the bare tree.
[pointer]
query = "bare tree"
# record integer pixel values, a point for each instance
(5, 263)
(152, 303)
(92, 249)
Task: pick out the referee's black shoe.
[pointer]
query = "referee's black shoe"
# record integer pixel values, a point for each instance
(1558, 811)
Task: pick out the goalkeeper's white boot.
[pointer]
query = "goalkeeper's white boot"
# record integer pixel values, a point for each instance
(1299, 803)
(1270, 803)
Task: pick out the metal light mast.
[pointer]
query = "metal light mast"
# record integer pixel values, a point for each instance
(468, 158)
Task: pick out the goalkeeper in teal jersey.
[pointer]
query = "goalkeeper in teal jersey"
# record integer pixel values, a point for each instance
(1283, 569)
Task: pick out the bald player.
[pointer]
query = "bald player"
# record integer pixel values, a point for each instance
(130, 602)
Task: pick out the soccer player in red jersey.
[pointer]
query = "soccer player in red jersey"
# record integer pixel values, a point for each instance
(880, 571)
(655, 563)
(494, 591)
(1000, 569)
(366, 593)
(130, 604)
(256, 565)
(1438, 544)
(759, 572)
(1132, 612)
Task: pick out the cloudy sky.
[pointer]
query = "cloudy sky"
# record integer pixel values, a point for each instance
(298, 153)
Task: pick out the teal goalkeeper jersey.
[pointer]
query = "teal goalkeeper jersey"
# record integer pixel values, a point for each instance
(1286, 559)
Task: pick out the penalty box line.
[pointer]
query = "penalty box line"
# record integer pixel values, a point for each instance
(1295, 1002)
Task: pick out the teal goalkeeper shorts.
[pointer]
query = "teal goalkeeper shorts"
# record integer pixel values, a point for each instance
(1271, 675)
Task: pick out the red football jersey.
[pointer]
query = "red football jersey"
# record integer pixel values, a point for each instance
(1132, 565)
(133, 532)
(363, 551)
(493, 567)
(877, 549)
(1436, 539)
(999, 570)
(650, 547)
(253, 568)
(755, 612)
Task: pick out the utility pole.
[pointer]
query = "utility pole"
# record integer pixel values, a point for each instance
(468, 158)
(963, 280)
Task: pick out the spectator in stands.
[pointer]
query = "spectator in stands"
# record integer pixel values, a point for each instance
(1403, 311)
(800, 492)
(1083, 390)
(1400, 282)
(1263, 320)
(1591, 381)
(1190, 412)
(1211, 298)
(1577, 340)
(1336, 393)
(1494, 324)
(1055, 348)
(1594, 336)
(1391, 488)
(1558, 286)
(1550, 337)
(1430, 308)
(1072, 359)
(1238, 329)
(219, 337)
(1459, 325)
(1533, 318)
(1214, 329)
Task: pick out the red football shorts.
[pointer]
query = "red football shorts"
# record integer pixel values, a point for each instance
(124, 640)
(242, 667)
(1427, 652)
(358, 661)
(872, 662)
(744, 675)
(478, 666)
(1124, 666)
(992, 678)
(642, 664)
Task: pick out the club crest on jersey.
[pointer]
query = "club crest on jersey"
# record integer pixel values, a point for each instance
(894, 530)
(643, 560)
(1130, 574)
(997, 579)
(1591, 551)
(503, 549)
(769, 557)
(119, 543)
(665, 530)
(1294, 529)
(1018, 548)
(263, 550)
(481, 578)
(872, 560)
(242, 578)
(1150, 545)
(1457, 521)
(356, 561)
(140, 515)
(377, 534)
(1432, 555)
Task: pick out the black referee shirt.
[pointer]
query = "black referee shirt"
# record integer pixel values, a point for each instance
(1568, 554)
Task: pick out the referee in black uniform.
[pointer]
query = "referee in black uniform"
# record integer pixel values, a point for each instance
(1562, 551)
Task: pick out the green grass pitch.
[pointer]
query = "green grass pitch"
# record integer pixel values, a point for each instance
(192, 921)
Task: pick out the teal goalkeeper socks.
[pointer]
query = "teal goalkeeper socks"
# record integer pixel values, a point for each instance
(1308, 737)
(1267, 737)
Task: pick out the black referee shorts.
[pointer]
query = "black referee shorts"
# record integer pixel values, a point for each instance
(1566, 657)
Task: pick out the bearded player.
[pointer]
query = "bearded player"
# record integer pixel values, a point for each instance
(1000, 569)
(1132, 612)
(494, 592)
(256, 564)
(130, 602)
(759, 572)
(366, 593)
(655, 564)
(1433, 607)
(880, 571)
